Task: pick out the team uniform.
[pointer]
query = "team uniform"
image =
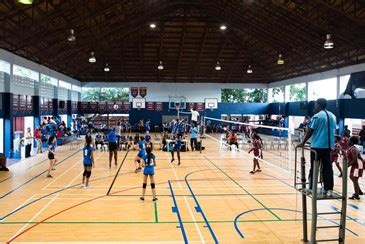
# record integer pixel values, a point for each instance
(357, 168)
(112, 140)
(142, 149)
(149, 164)
(256, 146)
(87, 150)
(147, 138)
(51, 151)
(335, 152)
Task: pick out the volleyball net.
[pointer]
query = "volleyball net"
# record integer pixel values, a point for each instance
(277, 144)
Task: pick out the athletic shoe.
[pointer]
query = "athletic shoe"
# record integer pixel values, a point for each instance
(259, 170)
(53, 169)
(155, 199)
(4, 169)
(178, 164)
(141, 198)
(252, 172)
(340, 175)
(355, 197)
(82, 185)
(172, 160)
(136, 171)
(49, 176)
(361, 193)
(329, 193)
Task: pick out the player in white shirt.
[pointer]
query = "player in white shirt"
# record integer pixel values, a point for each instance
(194, 116)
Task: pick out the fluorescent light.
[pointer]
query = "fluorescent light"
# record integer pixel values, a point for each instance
(153, 25)
(71, 37)
(249, 70)
(92, 58)
(218, 66)
(160, 66)
(25, 1)
(106, 69)
(328, 44)
(223, 27)
(280, 59)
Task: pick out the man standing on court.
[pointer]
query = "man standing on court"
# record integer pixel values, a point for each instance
(194, 116)
(322, 130)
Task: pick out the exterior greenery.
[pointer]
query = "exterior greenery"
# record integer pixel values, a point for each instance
(105, 94)
(277, 94)
(244, 95)
(297, 93)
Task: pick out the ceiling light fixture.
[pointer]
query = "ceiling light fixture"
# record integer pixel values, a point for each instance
(249, 70)
(92, 58)
(280, 59)
(218, 66)
(223, 27)
(152, 25)
(25, 1)
(106, 69)
(71, 37)
(328, 44)
(160, 66)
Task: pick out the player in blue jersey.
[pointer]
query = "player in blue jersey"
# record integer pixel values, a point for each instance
(177, 148)
(88, 154)
(113, 148)
(149, 162)
(141, 153)
(51, 154)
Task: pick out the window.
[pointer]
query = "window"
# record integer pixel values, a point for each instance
(276, 95)
(4, 66)
(244, 95)
(49, 80)
(322, 89)
(64, 84)
(343, 83)
(76, 88)
(295, 92)
(24, 72)
(104, 94)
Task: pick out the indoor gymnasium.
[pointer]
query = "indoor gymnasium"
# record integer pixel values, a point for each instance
(182, 121)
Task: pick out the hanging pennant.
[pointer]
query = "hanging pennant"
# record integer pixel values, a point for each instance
(150, 106)
(143, 91)
(134, 91)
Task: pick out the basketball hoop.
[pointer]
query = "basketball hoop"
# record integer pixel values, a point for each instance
(211, 106)
(139, 105)
(177, 105)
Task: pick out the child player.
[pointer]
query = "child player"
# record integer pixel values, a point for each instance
(88, 153)
(149, 161)
(335, 153)
(140, 155)
(177, 147)
(257, 152)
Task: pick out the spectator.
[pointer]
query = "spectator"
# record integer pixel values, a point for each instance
(3, 163)
(38, 137)
(346, 132)
(28, 142)
(322, 130)
(194, 138)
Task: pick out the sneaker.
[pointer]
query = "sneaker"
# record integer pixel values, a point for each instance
(361, 193)
(252, 172)
(355, 197)
(172, 160)
(4, 169)
(82, 185)
(155, 199)
(259, 170)
(329, 193)
(178, 164)
(340, 175)
(53, 169)
(141, 198)
(49, 176)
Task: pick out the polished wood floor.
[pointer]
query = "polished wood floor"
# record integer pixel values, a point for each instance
(210, 197)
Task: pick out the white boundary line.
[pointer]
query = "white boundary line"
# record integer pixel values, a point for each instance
(35, 216)
(186, 201)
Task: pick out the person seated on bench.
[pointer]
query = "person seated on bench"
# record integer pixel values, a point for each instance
(3, 163)
(232, 139)
(99, 141)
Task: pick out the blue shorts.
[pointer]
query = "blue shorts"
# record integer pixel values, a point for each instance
(141, 154)
(88, 165)
(149, 170)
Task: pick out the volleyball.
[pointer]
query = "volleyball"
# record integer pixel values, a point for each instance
(116, 107)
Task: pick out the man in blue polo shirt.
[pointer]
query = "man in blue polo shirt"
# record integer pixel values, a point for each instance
(322, 130)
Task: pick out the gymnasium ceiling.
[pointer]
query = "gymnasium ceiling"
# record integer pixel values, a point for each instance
(187, 38)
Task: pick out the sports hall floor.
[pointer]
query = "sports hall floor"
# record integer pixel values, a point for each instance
(211, 196)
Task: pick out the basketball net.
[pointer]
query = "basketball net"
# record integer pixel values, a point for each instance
(177, 106)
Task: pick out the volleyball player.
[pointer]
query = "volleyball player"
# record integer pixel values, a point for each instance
(141, 153)
(257, 152)
(177, 148)
(335, 153)
(113, 148)
(51, 154)
(357, 166)
(88, 154)
(149, 161)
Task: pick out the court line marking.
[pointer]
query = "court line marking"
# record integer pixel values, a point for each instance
(116, 175)
(239, 185)
(156, 212)
(35, 216)
(33, 178)
(186, 201)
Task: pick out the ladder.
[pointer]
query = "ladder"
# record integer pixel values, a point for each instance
(302, 185)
